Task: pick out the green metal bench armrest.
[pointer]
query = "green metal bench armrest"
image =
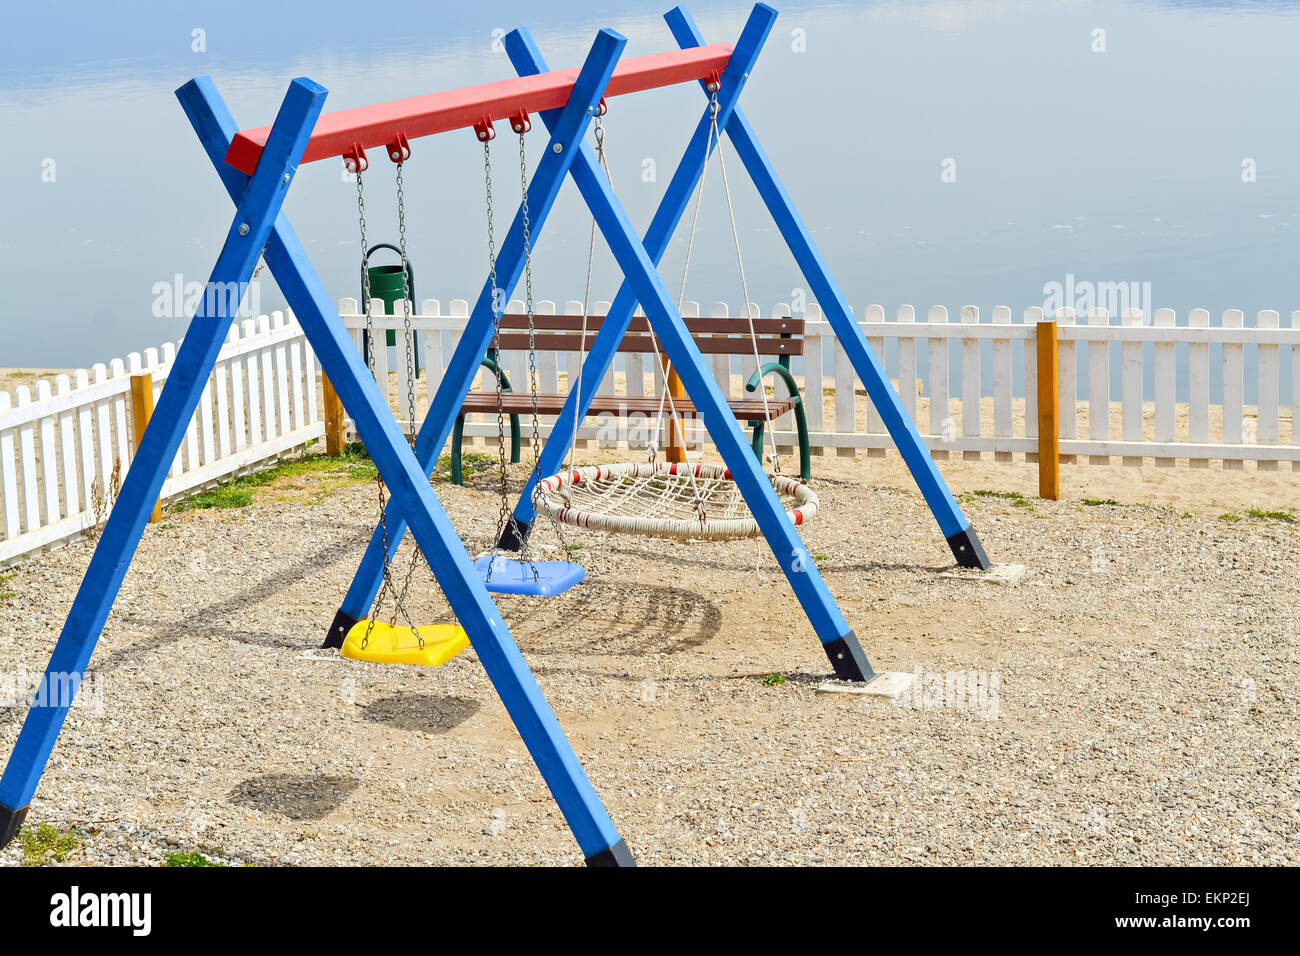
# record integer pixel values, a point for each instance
(800, 415)
(458, 430)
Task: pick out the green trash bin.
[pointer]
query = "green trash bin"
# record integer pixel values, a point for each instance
(386, 286)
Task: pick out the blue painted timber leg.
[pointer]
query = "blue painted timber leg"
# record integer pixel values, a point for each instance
(412, 495)
(258, 205)
(960, 535)
(840, 643)
(527, 60)
(567, 133)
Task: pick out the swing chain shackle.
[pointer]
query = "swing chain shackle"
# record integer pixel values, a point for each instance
(520, 122)
(354, 160)
(484, 130)
(399, 150)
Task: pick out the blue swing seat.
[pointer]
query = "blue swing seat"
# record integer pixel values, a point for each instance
(502, 575)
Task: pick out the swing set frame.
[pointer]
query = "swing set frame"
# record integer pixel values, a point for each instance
(257, 167)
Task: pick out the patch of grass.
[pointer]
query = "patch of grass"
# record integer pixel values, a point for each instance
(353, 462)
(188, 860)
(1229, 517)
(1098, 502)
(1289, 517)
(773, 680)
(1022, 503)
(970, 496)
(46, 843)
(819, 558)
(230, 495)
(327, 473)
(5, 593)
(470, 462)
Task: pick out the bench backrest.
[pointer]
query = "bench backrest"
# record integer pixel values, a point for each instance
(713, 336)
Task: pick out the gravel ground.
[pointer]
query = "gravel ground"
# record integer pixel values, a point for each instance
(1132, 700)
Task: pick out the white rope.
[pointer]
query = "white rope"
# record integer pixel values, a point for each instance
(749, 315)
(659, 500)
(586, 295)
(664, 362)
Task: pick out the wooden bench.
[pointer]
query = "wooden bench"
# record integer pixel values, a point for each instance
(779, 337)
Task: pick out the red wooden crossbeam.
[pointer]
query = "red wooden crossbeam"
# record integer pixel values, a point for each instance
(336, 134)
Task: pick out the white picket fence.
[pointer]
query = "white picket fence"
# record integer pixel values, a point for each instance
(976, 413)
(60, 446)
(61, 442)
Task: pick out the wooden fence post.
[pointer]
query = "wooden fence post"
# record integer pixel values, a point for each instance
(1049, 432)
(141, 412)
(333, 419)
(676, 435)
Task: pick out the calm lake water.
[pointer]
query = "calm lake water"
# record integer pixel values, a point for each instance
(943, 152)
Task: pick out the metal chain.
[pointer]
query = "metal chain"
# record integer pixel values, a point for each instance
(532, 327)
(370, 365)
(503, 514)
(528, 293)
(533, 387)
(386, 583)
(417, 556)
(406, 309)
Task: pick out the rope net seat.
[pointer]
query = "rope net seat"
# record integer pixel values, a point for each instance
(664, 500)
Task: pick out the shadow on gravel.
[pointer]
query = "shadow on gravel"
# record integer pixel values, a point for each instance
(296, 796)
(617, 619)
(246, 594)
(423, 713)
(868, 567)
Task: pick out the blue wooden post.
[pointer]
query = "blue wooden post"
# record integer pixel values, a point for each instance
(567, 133)
(527, 61)
(258, 207)
(411, 493)
(453, 388)
(840, 643)
(414, 500)
(961, 537)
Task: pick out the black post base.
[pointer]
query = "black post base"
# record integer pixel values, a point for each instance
(848, 659)
(968, 551)
(514, 536)
(10, 822)
(617, 855)
(339, 628)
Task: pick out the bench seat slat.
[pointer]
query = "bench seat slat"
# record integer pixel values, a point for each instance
(521, 403)
(707, 325)
(561, 342)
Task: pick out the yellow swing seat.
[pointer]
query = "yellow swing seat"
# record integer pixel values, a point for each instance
(400, 644)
